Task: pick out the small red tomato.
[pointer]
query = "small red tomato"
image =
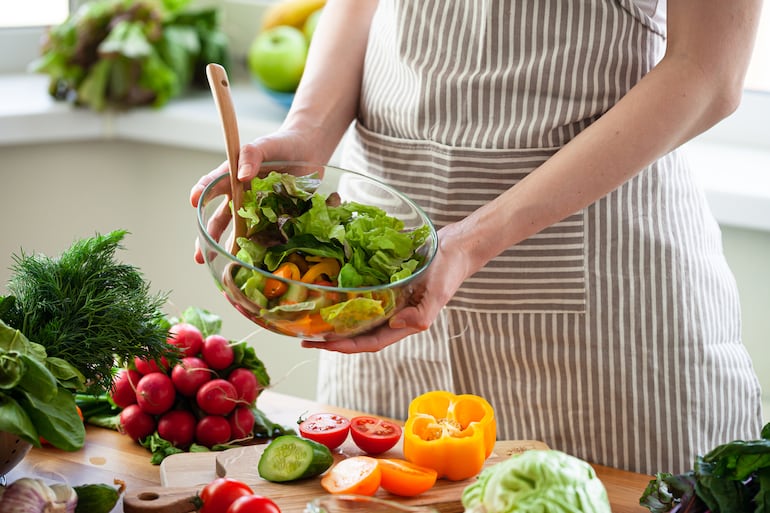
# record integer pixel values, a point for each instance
(374, 435)
(220, 493)
(253, 504)
(329, 429)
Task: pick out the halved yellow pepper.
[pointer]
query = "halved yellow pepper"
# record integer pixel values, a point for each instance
(452, 434)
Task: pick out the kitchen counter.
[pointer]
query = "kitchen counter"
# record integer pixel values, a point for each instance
(108, 455)
(735, 176)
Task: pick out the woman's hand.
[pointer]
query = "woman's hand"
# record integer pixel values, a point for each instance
(282, 145)
(450, 267)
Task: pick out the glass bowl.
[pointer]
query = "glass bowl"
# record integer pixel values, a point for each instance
(312, 309)
(358, 503)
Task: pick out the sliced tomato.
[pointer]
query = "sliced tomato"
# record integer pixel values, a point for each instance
(329, 429)
(358, 475)
(401, 477)
(374, 435)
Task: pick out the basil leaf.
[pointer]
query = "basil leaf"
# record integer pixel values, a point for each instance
(57, 421)
(13, 419)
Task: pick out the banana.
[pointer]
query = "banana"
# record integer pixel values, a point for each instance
(290, 12)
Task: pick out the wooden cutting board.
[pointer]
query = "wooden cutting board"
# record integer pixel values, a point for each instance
(183, 475)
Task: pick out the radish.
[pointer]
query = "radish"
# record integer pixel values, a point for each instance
(149, 366)
(189, 374)
(186, 337)
(217, 352)
(245, 383)
(123, 391)
(217, 397)
(136, 423)
(155, 393)
(178, 427)
(241, 423)
(212, 430)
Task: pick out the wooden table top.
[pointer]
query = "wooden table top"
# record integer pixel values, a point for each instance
(108, 455)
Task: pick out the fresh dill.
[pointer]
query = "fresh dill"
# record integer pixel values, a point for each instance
(87, 309)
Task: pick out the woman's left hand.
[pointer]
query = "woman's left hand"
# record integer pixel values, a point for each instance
(442, 280)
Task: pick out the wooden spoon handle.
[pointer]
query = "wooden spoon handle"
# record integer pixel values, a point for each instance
(220, 89)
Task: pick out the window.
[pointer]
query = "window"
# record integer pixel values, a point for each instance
(33, 13)
(758, 76)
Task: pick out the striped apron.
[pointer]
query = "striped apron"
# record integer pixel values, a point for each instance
(613, 335)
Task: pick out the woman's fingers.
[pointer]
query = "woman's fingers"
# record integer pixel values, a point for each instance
(223, 187)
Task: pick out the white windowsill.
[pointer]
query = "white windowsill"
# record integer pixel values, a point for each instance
(736, 177)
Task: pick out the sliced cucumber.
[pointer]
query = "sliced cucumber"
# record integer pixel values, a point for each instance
(291, 457)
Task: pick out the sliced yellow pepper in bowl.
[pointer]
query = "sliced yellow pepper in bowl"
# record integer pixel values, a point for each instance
(452, 434)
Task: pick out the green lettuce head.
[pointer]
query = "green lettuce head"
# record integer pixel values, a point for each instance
(537, 481)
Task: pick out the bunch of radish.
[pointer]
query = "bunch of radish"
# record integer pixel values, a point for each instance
(205, 398)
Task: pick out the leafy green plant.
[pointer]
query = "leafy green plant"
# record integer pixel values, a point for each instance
(731, 478)
(34, 401)
(87, 309)
(126, 53)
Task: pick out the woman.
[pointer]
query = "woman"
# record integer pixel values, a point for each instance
(580, 284)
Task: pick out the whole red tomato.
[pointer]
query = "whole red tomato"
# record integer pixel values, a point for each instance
(219, 494)
(374, 435)
(253, 504)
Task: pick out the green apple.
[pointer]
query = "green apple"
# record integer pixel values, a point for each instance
(310, 24)
(277, 57)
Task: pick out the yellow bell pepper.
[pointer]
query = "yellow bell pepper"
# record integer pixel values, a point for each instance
(328, 266)
(452, 434)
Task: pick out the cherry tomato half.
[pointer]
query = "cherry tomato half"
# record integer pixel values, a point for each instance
(253, 504)
(220, 493)
(404, 478)
(374, 435)
(357, 475)
(329, 429)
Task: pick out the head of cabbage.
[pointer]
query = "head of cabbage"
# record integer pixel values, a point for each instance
(542, 481)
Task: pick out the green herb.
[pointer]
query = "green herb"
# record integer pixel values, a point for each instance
(87, 309)
(731, 478)
(33, 402)
(125, 53)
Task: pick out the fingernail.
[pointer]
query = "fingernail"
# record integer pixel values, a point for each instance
(244, 171)
(397, 324)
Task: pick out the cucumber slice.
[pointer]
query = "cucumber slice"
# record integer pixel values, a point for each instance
(291, 457)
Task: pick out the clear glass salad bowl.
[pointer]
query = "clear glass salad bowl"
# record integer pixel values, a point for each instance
(317, 236)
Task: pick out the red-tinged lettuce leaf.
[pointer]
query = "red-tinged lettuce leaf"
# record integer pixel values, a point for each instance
(668, 492)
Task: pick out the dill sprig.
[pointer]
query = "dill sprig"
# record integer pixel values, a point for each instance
(87, 308)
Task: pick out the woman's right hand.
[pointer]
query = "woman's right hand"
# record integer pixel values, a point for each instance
(282, 145)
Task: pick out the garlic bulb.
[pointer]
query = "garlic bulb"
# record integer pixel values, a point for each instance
(28, 495)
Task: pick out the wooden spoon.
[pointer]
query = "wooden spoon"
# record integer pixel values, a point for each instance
(220, 89)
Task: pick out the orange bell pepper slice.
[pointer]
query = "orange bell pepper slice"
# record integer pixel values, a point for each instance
(452, 434)
(276, 288)
(404, 478)
(327, 266)
(358, 475)
(311, 324)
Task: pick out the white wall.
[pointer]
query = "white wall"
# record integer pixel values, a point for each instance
(54, 194)
(51, 195)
